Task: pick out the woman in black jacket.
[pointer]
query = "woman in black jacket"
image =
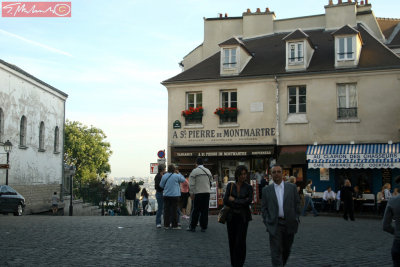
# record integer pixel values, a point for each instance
(238, 197)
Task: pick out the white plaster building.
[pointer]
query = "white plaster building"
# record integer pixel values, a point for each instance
(32, 116)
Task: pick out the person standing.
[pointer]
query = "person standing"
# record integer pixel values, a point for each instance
(159, 194)
(130, 196)
(199, 188)
(136, 189)
(184, 196)
(238, 197)
(280, 211)
(346, 195)
(392, 212)
(145, 200)
(54, 203)
(172, 191)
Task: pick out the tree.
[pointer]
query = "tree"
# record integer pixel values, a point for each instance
(86, 148)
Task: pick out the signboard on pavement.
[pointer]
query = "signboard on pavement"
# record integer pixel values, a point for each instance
(153, 168)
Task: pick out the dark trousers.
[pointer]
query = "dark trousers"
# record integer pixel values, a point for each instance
(280, 245)
(348, 207)
(237, 232)
(200, 209)
(170, 214)
(396, 253)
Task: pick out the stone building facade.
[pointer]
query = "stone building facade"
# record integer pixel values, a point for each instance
(32, 118)
(293, 84)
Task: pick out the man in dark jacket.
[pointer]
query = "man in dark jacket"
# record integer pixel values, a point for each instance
(346, 195)
(130, 197)
(159, 194)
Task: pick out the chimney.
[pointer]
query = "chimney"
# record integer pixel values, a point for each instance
(339, 2)
(220, 15)
(362, 2)
(226, 15)
(366, 2)
(248, 10)
(348, 1)
(267, 10)
(330, 2)
(258, 10)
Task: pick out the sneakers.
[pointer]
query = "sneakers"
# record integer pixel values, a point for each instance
(190, 229)
(176, 228)
(158, 226)
(166, 228)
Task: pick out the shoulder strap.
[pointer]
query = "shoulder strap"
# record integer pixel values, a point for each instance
(204, 172)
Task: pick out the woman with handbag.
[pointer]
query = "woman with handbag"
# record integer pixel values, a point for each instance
(238, 197)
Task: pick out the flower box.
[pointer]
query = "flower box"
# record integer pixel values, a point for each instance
(226, 112)
(193, 113)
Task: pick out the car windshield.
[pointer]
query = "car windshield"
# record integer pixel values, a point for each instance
(6, 190)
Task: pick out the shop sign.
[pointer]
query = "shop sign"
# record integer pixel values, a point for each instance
(223, 134)
(352, 157)
(153, 168)
(223, 153)
(369, 165)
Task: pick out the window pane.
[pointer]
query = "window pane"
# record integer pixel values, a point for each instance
(233, 96)
(302, 99)
(300, 51)
(302, 90)
(302, 108)
(292, 108)
(292, 52)
(233, 55)
(224, 99)
(226, 56)
(349, 46)
(199, 100)
(292, 91)
(292, 100)
(341, 48)
(190, 100)
(342, 96)
(352, 96)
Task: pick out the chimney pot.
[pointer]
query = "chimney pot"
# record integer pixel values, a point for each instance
(362, 2)
(339, 2)
(331, 2)
(226, 15)
(348, 1)
(258, 10)
(220, 15)
(267, 10)
(248, 10)
(366, 2)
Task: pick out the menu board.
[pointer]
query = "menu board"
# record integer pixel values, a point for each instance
(213, 204)
(386, 176)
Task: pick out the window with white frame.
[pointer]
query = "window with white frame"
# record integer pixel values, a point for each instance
(1, 125)
(194, 100)
(56, 139)
(297, 99)
(230, 60)
(296, 53)
(345, 48)
(228, 100)
(22, 132)
(347, 101)
(41, 136)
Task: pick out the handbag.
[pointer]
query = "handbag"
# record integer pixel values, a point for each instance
(223, 213)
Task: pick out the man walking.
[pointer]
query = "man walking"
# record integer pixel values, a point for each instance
(392, 212)
(199, 188)
(280, 211)
(130, 196)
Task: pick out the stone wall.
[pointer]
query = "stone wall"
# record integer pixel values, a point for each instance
(37, 197)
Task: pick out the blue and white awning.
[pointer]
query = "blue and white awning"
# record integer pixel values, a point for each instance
(361, 156)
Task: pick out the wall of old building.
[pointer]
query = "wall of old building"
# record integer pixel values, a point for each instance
(36, 173)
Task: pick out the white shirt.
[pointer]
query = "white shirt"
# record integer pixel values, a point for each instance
(328, 195)
(279, 189)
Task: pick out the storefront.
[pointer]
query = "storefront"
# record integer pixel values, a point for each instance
(223, 160)
(367, 165)
(293, 161)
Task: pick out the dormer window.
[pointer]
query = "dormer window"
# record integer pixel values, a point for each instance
(296, 53)
(229, 61)
(346, 50)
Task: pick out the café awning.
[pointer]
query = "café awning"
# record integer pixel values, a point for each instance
(357, 156)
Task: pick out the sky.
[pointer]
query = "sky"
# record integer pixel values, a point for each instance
(111, 56)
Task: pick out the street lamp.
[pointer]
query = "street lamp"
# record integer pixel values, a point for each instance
(7, 149)
(71, 173)
(103, 182)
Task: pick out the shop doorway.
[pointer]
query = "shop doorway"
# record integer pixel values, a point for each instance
(360, 177)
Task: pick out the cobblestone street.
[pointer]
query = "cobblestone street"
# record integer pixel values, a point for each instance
(134, 241)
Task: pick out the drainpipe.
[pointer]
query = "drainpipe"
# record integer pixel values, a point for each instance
(277, 110)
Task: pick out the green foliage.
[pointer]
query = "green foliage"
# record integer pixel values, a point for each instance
(86, 148)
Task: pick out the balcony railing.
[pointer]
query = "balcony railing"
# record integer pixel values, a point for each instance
(347, 113)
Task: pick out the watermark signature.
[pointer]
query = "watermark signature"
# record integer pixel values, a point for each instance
(36, 9)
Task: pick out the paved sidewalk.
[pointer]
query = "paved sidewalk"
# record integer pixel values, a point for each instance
(134, 241)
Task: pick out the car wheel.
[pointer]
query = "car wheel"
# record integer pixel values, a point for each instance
(19, 210)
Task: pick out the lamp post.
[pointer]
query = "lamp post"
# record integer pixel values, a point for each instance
(103, 182)
(70, 170)
(7, 149)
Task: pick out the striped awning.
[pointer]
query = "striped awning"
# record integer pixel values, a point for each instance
(368, 156)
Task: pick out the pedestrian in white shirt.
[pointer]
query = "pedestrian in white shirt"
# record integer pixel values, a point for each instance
(328, 199)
